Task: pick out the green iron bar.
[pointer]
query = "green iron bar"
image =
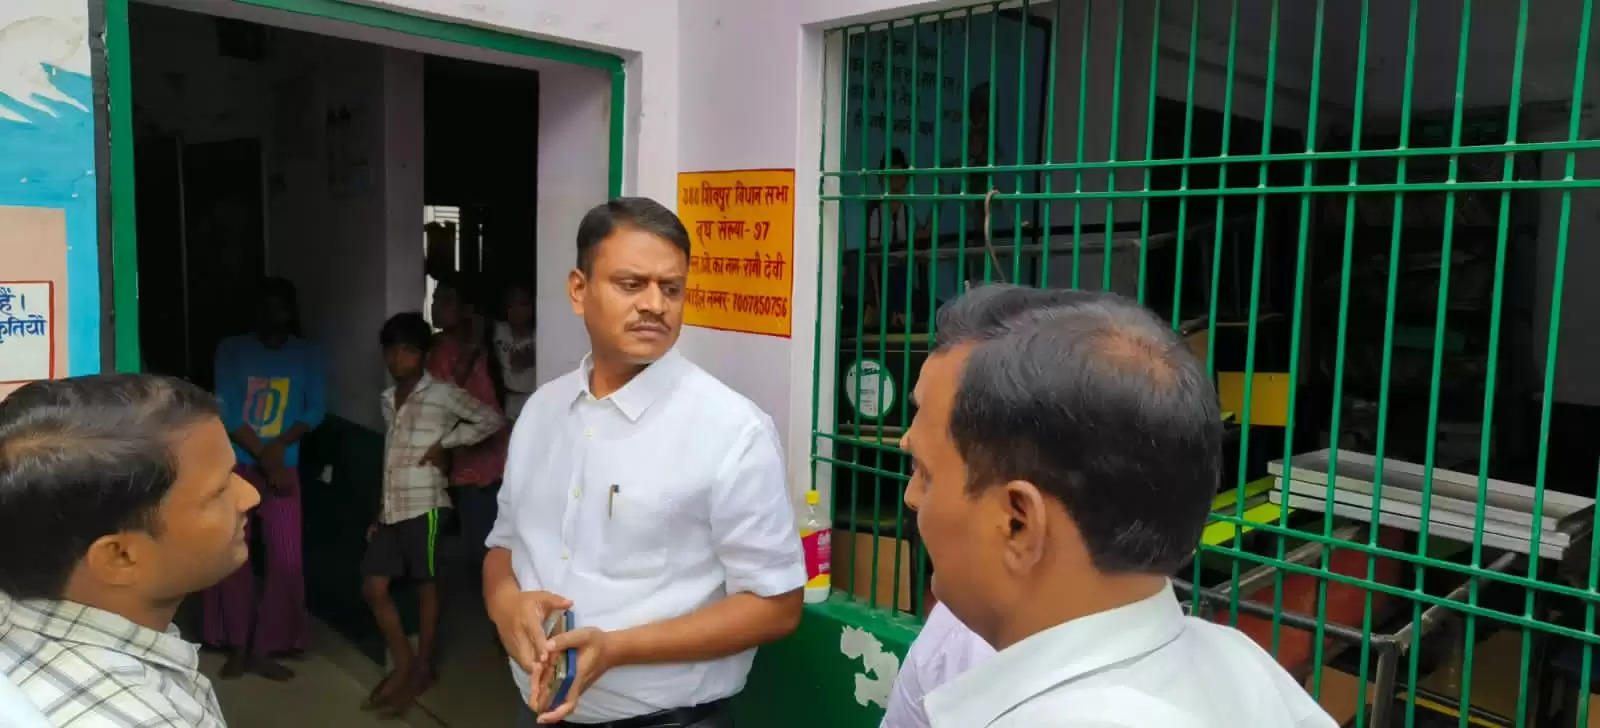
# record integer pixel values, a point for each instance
(1257, 255)
(861, 284)
(1183, 184)
(1077, 177)
(1301, 244)
(1391, 296)
(1342, 329)
(1116, 137)
(966, 136)
(1022, 110)
(1508, 170)
(1552, 346)
(1328, 189)
(1050, 143)
(858, 467)
(1430, 451)
(1585, 672)
(991, 132)
(885, 239)
(919, 587)
(1400, 152)
(1149, 147)
(910, 276)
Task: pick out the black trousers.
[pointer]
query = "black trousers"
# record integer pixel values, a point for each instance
(721, 717)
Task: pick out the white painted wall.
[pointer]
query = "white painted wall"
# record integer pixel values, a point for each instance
(355, 256)
(574, 106)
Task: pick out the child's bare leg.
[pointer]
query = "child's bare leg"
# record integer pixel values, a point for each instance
(376, 590)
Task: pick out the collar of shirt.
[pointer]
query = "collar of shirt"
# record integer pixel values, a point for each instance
(645, 389)
(1055, 656)
(423, 383)
(70, 622)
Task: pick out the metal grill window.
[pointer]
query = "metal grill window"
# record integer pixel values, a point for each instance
(1373, 221)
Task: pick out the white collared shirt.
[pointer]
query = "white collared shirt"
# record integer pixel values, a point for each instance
(649, 504)
(1144, 665)
(944, 649)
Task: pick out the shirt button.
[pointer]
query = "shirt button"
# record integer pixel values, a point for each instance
(589, 433)
(565, 554)
(577, 492)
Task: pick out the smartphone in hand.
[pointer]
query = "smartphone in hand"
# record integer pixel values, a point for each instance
(565, 669)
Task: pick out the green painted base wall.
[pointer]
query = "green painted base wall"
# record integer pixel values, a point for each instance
(807, 680)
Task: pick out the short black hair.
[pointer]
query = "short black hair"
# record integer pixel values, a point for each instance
(1092, 398)
(470, 289)
(83, 458)
(282, 290)
(897, 159)
(639, 213)
(406, 329)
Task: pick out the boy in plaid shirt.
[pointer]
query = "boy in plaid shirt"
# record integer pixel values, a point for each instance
(426, 418)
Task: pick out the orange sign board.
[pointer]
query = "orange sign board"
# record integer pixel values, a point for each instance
(741, 276)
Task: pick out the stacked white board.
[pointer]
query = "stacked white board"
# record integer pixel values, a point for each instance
(1508, 508)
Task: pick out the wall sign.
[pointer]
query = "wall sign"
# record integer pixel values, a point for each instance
(870, 388)
(740, 272)
(27, 338)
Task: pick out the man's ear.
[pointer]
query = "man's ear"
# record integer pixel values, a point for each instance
(577, 284)
(114, 558)
(1028, 525)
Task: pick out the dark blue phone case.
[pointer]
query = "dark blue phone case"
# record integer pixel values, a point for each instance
(571, 658)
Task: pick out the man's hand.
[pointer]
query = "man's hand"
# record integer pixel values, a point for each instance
(437, 457)
(280, 479)
(595, 658)
(519, 618)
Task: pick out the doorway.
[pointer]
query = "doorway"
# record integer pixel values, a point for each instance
(297, 139)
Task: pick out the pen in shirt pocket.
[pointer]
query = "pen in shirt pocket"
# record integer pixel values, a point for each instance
(611, 505)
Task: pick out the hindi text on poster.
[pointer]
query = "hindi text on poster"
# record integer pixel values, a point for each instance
(27, 341)
(740, 272)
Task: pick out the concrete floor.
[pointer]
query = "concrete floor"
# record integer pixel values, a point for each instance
(474, 688)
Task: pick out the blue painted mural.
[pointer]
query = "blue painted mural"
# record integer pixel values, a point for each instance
(47, 154)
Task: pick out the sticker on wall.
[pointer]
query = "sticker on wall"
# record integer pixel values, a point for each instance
(27, 349)
(870, 388)
(882, 667)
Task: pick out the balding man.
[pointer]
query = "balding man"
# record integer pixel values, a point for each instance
(1066, 450)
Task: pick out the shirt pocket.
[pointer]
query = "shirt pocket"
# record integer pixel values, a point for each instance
(635, 537)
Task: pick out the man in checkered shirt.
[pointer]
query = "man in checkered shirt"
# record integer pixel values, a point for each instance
(117, 499)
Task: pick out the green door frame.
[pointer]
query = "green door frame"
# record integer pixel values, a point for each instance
(124, 243)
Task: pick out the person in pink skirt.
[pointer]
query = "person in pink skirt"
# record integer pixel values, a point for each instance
(270, 386)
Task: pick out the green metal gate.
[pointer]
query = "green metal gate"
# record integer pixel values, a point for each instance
(1363, 216)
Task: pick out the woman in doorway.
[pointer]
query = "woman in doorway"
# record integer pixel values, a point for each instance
(270, 386)
(462, 355)
(513, 345)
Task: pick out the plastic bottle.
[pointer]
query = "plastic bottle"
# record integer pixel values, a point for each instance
(816, 536)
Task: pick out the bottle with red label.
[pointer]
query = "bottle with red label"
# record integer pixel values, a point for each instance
(816, 537)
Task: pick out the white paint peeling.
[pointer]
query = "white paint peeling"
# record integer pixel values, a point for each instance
(36, 38)
(882, 667)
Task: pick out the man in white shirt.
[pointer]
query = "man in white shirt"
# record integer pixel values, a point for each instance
(944, 649)
(1066, 450)
(646, 496)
